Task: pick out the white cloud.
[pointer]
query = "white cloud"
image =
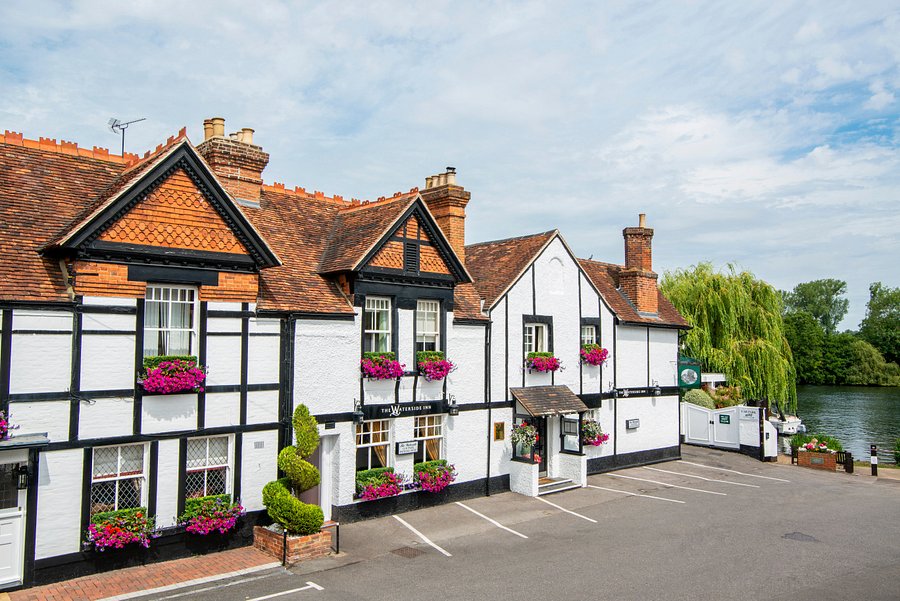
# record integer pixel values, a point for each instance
(881, 98)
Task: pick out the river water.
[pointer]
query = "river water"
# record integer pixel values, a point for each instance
(856, 415)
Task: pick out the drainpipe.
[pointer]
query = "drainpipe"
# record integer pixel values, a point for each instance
(487, 396)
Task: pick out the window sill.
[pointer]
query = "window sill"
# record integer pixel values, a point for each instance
(576, 453)
(524, 460)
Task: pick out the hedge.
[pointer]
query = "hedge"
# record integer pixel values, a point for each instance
(389, 355)
(151, 362)
(426, 356)
(193, 505)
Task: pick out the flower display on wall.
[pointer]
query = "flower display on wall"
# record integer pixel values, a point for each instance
(592, 434)
(433, 365)
(171, 375)
(381, 366)
(593, 354)
(117, 529)
(541, 362)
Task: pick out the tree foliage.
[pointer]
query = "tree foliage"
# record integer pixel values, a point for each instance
(807, 340)
(881, 325)
(821, 299)
(737, 329)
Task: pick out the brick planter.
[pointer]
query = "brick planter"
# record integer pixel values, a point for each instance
(299, 548)
(819, 461)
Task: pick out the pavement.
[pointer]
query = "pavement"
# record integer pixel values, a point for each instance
(716, 525)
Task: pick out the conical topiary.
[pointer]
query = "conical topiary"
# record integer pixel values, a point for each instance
(279, 496)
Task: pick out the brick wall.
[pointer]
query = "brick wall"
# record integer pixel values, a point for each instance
(238, 165)
(448, 206)
(637, 280)
(300, 548)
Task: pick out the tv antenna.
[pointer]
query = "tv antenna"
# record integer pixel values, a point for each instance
(116, 126)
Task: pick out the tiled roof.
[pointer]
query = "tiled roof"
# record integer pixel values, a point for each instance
(356, 229)
(41, 192)
(548, 400)
(605, 277)
(497, 264)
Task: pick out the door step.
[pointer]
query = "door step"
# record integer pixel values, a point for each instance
(548, 486)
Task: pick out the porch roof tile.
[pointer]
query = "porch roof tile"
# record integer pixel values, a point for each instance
(548, 400)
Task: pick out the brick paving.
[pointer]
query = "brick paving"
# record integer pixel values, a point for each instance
(142, 578)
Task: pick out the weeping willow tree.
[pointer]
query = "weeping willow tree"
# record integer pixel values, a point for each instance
(737, 330)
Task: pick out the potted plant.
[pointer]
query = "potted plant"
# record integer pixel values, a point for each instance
(541, 362)
(592, 434)
(817, 451)
(381, 366)
(5, 426)
(206, 515)
(171, 374)
(524, 434)
(433, 365)
(118, 529)
(593, 354)
(378, 483)
(434, 476)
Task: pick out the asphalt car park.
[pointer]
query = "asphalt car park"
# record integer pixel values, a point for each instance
(714, 525)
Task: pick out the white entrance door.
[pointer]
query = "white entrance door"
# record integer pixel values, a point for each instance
(12, 525)
(326, 467)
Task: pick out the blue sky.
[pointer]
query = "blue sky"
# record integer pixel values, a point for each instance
(763, 134)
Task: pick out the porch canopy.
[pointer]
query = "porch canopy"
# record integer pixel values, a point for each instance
(548, 400)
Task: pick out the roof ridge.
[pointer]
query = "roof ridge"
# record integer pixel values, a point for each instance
(356, 204)
(280, 188)
(66, 147)
(548, 232)
(606, 263)
(159, 150)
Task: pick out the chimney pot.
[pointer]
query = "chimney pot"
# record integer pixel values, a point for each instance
(218, 124)
(428, 182)
(207, 129)
(248, 135)
(642, 220)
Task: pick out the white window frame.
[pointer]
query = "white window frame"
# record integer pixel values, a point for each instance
(424, 336)
(385, 428)
(142, 475)
(535, 338)
(591, 335)
(375, 304)
(153, 294)
(228, 465)
(425, 431)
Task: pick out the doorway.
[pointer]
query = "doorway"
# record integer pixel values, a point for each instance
(12, 521)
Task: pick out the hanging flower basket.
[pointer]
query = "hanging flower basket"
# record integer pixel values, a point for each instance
(593, 354)
(433, 365)
(541, 362)
(5, 426)
(524, 434)
(381, 366)
(592, 434)
(172, 374)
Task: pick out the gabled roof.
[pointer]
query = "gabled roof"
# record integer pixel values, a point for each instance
(605, 277)
(497, 265)
(548, 400)
(136, 182)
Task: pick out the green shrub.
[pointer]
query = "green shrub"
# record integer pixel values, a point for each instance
(375, 356)
(373, 476)
(698, 397)
(831, 442)
(128, 514)
(426, 466)
(726, 396)
(294, 515)
(193, 505)
(426, 356)
(282, 506)
(541, 354)
(151, 362)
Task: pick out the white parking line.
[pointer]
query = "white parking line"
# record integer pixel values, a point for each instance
(494, 522)
(634, 494)
(584, 517)
(656, 469)
(709, 467)
(309, 585)
(420, 535)
(709, 492)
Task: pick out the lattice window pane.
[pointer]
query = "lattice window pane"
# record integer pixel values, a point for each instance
(218, 450)
(215, 481)
(132, 460)
(106, 462)
(103, 496)
(196, 453)
(129, 493)
(194, 484)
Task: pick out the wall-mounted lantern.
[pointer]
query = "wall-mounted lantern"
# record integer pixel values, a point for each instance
(358, 416)
(23, 477)
(453, 408)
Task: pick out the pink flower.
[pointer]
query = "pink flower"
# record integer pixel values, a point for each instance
(381, 368)
(436, 370)
(593, 354)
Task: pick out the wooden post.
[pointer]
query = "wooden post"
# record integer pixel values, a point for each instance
(873, 449)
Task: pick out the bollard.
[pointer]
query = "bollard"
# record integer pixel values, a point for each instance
(874, 459)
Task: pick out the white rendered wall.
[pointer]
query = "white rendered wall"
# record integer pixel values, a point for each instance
(326, 368)
(465, 348)
(631, 350)
(222, 409)
(262, 406)
(168, 413)
(499, 390)
(573, 467)
(223, 359)
(58, 528)
(523, 478)
(51, 417)
(107, 362)
(663, 356)
(258, 467)
(104, 418)
(556, 293)
(167, 483)
(658, 427)
(264, 351)
(606, 417)
(40, 362)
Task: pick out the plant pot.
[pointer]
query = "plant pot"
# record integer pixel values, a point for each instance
(299, 547)
(819, 461)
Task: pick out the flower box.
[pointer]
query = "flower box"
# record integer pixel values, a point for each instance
(433, 365)
(434, 476)
(271, 540)
(816, 460)
(541, 362)
(120, 529)
(204, 516)
(593, 354)
(381, 366)
(172, 375)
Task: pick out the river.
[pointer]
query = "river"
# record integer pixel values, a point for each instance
(856, 415)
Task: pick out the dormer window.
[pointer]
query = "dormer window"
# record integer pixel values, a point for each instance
(377, 325)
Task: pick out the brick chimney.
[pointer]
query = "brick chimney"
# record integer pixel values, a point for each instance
(447, 202)
(637, 280)
(236, 161)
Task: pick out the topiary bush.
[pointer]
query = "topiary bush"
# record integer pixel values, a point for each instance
(700, 398)
(280, 496)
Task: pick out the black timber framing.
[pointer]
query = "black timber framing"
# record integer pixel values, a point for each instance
(245, 361)
(75, 380)
(31, 509)
(182, 472)
(201, 359)
(5, 358)
(153, 478)
(138, 366)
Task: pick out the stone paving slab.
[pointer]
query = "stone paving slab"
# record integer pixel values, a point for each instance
(140, 580)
